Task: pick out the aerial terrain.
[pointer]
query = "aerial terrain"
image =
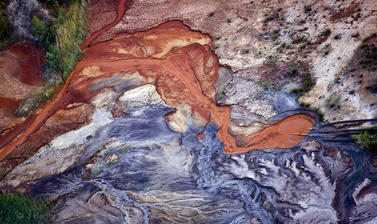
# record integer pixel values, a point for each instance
(188, 111)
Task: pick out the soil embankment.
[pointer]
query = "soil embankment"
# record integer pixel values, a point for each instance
(180, 63)
(21, 75)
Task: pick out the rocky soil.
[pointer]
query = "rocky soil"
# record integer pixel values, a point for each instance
(264, 38)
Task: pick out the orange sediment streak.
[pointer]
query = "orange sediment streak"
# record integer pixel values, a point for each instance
(180, 63)
(53, 106)
(48, 110)
(280, 135)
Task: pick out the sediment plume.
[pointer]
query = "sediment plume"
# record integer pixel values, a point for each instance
(181, 65)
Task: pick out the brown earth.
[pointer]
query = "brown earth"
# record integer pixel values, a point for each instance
(31, 60)
(21, 76)
(180, 63)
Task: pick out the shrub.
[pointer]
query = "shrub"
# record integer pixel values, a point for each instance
(337, 37)
(307, 84)
(368, 57)
(272, 16)
(54, 60)
(4, 26)
(266, 85)
(367, 140)
(326, 49)
(325, 33)
(293, 72)
(70, 34)
(44, 32)
(307, 8)
(299, 39)
(21, 209)
(373, 35)
(275, 34)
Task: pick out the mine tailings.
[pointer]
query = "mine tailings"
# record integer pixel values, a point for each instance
(182, 66)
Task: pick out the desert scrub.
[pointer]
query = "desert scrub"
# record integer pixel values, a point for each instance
(4, 25)
(333, 102)
(293, 71)
(367, 140)
(326, 49)
(373, 35)
(274, 15)
(275, 34)
(266, 85)
(21, 209)
(368, 57)
(273, 59)
(326, 33)
(299, 39)
(35, 101)
(306, 81)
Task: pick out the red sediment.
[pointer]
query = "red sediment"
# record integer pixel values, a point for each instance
(284, 134)
(180, 63)
(7, 105)
(201, 136)
(19, 135)
(30, 59)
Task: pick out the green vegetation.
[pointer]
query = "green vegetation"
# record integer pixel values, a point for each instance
(333, 102)
(306, 80)
(44, 32)
(70, 34)
(326, 33)
(368, 57)
(307, 8)
(373, 35)
(35, 101)
(299, 39)
(326, 49)
(21, 209)
(367, 140)
(284, 46)
(274, 15)
(61, 41)
(4, 25)
(221, 96)
(275, 34)
(273, 59)
(337, 37)
(266, 85)
(308, 106)
(293, 71)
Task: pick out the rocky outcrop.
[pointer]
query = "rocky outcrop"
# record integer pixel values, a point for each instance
(19, 13)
